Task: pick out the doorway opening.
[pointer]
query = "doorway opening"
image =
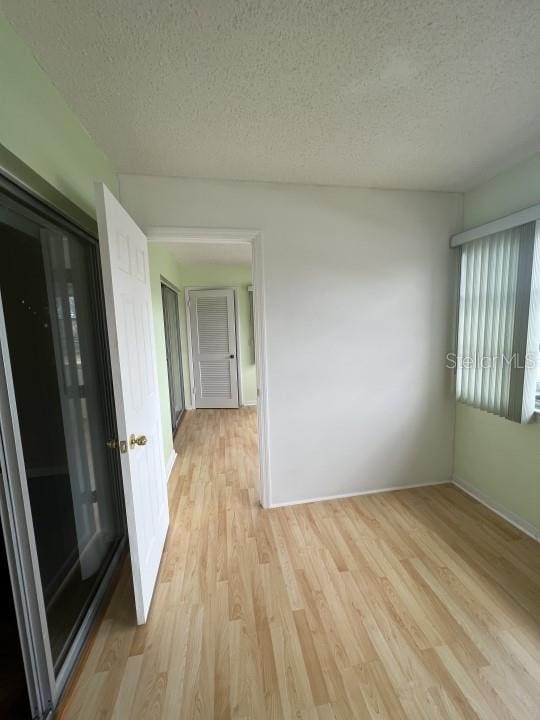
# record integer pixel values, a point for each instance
(220, 324)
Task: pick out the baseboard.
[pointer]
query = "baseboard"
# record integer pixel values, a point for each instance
(249, 403)
(513, 518)
(170, 464)
(342, 496)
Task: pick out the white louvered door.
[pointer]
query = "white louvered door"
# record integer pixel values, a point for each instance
(213, 347)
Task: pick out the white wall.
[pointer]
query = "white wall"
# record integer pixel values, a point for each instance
(359, 301)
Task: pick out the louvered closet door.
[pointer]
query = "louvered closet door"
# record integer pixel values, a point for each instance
(213, 344)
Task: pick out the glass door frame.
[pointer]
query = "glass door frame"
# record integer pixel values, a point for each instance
(44, 687)
(21, 547)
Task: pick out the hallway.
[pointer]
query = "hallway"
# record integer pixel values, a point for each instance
(413, 604)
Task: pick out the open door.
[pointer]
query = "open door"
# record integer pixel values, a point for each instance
(126, 280)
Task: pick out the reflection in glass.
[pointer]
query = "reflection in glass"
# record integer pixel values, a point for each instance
(47, 285)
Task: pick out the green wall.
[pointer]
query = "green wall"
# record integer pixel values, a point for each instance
(163, 264)
(497, 458)
(515, 189)
(39, 128)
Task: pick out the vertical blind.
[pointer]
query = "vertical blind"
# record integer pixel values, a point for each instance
(497, 344)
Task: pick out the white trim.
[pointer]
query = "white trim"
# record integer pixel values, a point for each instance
(511, 517)
(343, 496)
(200, 235)
(516, 520)
(249, 403)
(170, 464)
(505, 223)
(263, 423)
(254, 237)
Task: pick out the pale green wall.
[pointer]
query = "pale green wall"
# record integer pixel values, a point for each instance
(515, 189)
(499, 458)
(163, 264)
(39, 128)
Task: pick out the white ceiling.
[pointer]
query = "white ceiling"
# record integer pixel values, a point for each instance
(430, 94)
(197, 253)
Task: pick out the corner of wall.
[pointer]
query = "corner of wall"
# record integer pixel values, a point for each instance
(494, 459)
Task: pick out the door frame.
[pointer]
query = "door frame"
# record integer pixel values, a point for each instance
(163, 281)
(191, 367)
(254, 238)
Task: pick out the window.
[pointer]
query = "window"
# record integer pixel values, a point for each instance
(498, 323)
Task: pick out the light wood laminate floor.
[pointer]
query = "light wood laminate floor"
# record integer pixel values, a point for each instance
(418, 604)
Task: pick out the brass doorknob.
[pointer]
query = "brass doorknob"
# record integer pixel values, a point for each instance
(141, 440)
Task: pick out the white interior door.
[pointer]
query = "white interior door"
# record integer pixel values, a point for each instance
(213, 347)
(124, 259)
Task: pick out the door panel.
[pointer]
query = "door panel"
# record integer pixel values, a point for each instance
(213, 344)
(124, 256)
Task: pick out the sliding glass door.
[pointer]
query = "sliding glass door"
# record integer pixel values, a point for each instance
(174, 354)
(62, 413)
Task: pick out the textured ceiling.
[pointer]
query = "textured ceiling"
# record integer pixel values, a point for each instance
(431, 94)
(203, 252)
